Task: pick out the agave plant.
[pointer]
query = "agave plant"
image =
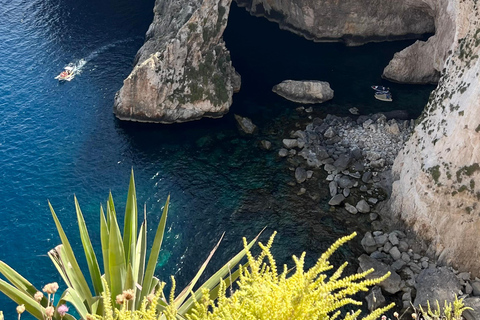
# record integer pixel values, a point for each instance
(125, 266)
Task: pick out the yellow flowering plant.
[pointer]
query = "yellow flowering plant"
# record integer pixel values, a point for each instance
(264, 294)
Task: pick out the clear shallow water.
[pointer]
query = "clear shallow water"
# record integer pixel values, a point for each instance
(61, 139)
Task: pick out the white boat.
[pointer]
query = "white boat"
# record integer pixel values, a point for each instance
(67, 74)
(383, 96)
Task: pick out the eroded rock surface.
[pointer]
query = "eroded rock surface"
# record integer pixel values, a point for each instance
(183, 72)
(304, 91)
(354, 22)
(436, 190)
(423, 61)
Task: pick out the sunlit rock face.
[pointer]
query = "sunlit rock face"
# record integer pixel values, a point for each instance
(354, 22)
(183, 71)
(423, 61)
(437, 175)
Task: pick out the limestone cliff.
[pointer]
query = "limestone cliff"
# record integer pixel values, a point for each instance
(354, 22)
(423, 61)
(437, 187)
(183, 72)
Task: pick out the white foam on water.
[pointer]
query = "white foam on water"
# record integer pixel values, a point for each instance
(80, 63)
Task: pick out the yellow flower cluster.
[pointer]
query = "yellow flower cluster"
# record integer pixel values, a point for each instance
(265, 294)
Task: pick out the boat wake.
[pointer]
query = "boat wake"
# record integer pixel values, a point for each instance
(79, 64)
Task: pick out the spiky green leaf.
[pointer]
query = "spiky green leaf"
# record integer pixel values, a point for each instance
(152, 259)
(20, 297)
(130, 223)
(89, 253)
(77, 278)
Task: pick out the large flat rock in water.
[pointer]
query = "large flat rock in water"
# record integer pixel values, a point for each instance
(312, 91)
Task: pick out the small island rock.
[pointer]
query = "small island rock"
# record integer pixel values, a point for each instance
(304, 91)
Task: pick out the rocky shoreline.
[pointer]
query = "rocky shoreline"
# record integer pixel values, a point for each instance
(356, 154)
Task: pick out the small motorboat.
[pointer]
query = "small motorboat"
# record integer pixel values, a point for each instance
(67, 74)
(380, 88)
(383, 96)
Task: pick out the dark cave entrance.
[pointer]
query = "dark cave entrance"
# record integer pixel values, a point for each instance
(265, 55)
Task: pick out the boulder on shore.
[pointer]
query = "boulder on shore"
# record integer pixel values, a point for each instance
(304, 91)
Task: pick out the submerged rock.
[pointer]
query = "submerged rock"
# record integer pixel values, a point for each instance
(304, 91)
(245, 124)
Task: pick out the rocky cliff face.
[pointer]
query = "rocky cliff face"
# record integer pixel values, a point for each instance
(354, 22)
(423, 61)
(183, 72)
(437, 187)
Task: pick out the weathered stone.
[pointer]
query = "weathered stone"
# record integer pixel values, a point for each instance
(282, 152)
(474, 303)
(405, 257)
(342, 162)
(362, 206)
(245, 124)
(392, 237)
(380, 240)
(387, 247)
(350, 208)
(394, 253)
(309, 174)
(330, 133)
(300, 175)
(402, 246)
(464, 275)
(468, 288)
(436, 284)
(375, 298)
(367, 176)
(304, 91)
(475, 288)
(346, 192)
(267, 145)
(329, 167)
(290, 143)
(399, 264)
(336, 200)
(332, 186)
(345, 182)
(368, 241)
(393, 129)
(378, 255)
(391, 284)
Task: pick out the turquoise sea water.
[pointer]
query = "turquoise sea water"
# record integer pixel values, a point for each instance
(60, 139)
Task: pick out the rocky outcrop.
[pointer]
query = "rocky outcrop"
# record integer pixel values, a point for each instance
(423, 61)
(354, 22)
(245, 124)
(304, 91)
(436, 189)
(183, 72)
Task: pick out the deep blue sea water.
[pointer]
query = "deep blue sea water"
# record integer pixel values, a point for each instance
(60, 139)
